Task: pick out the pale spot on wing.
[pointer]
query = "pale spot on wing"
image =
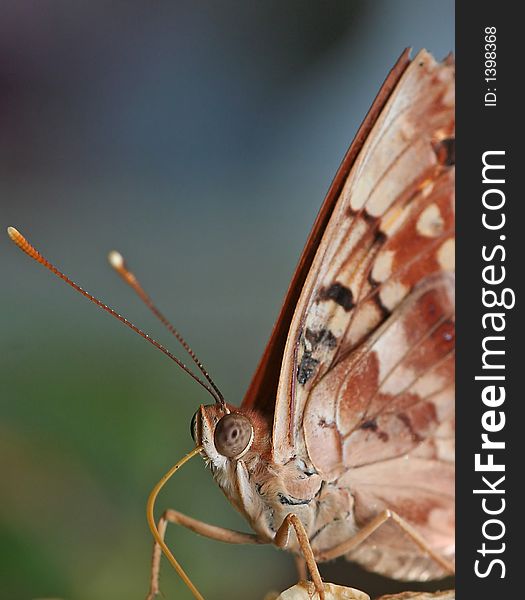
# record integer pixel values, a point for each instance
(427, 188)
(445, 450)
(367, 317)
(403, 173)
(394, 219)
(447, 429)
(441, 134)
(447, 255)
(430, 222)
(396, 381)
(407, 131)
(449, 97)
(429, 384)
(390, 347)
(357, 230)
(347, 239)
(392, 293)
(359, 199)
(383, 266)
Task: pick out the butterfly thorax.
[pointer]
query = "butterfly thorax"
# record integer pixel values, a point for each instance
(266, 492)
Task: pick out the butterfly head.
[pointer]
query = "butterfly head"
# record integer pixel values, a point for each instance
(223, 431)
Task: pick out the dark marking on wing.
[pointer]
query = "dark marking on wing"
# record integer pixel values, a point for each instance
(339, 294)
(408, 423)
(306, 368)
(371, 280)
(325, 424)
(445, 151)
(322, 337)
(370, 219)
(373, 426)
(384, 310)
(373, 224)
(380, 236)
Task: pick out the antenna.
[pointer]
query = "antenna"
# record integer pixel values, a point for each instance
(33, 253)
(116, 260)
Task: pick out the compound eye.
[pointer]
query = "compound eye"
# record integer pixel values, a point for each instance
(233, 435)
(193, 426)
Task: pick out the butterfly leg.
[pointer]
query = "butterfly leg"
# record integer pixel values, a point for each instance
(210, 531)
(300, 565)
(374, 524)
(282, 538)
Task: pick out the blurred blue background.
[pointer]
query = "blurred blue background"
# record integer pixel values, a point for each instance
(199, 139)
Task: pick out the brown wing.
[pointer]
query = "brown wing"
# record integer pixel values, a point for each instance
(365, 393)
(392, 226)
(381, 423)
(262, 391)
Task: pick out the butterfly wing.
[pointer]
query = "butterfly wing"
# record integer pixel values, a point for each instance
(365, 391)
(392, 226)
(262, 391)
(389, 426)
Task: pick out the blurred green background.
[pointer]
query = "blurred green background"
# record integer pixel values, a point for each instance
(199, 139)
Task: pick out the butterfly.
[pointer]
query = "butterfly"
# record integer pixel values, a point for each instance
(344, 442)
(348, 424)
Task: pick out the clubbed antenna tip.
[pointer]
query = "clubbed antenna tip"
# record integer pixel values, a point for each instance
(12, 232)
(116, 260)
